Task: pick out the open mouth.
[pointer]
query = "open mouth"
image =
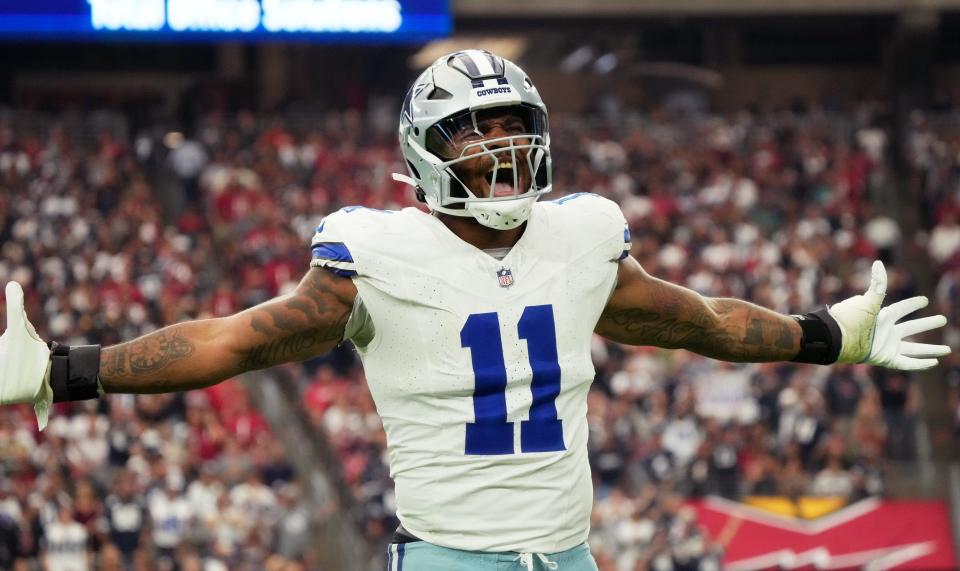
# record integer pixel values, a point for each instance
(503, 179)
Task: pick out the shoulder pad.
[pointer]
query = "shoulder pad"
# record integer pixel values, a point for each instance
(334, 242)
(601, 218)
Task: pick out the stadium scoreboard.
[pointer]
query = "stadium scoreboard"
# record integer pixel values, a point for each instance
(174, 20)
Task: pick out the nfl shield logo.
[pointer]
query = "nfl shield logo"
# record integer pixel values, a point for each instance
(505, 277)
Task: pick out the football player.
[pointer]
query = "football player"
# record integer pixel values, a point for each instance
(474, 324)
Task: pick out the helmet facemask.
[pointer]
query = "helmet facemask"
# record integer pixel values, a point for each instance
(507, 172)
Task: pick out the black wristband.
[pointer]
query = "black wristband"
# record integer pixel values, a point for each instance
(74, 372)
(821, 340)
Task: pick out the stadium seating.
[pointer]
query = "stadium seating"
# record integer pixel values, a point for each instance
(768, 205)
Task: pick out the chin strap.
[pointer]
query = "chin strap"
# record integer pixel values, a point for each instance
(404, 179)
(461, 212)
(421, 196)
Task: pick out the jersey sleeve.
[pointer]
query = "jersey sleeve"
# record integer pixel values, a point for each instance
(330, 246)
(610, 226)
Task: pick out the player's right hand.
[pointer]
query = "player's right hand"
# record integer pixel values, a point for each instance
(24, 359)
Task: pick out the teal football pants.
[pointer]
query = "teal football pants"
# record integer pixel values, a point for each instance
(423, 556)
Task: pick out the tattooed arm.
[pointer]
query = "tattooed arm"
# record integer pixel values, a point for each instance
(644, 310)
(308, 322)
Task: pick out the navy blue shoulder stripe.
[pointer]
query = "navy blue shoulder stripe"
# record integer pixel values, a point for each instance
(340, 272)
(333, 251)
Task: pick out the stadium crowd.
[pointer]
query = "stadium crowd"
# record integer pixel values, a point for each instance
(771, 206)
(934, 152)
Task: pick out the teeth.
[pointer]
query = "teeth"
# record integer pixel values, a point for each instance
(502, 165)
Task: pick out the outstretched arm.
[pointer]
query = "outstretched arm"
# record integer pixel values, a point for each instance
(644, 310)
(195, 354)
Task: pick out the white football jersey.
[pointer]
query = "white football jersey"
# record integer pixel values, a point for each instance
(480, 367)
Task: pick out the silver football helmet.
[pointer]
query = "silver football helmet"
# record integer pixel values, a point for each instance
(447, 119)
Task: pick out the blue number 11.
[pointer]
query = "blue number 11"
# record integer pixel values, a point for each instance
(491, 433)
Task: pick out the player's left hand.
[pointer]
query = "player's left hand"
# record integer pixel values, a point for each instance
(24, 359)
(871, 334)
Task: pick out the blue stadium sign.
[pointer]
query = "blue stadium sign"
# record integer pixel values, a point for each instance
(312, 20)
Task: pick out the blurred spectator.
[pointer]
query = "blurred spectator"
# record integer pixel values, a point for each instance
(126, 518)
(65, 544)
(187, 159)
(293, 523)
(171, 517)
(898, 399)
(832, 480)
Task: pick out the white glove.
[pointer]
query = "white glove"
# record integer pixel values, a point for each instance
(872, 335)
(24, 360)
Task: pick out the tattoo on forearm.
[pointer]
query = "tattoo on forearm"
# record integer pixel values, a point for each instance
(113, 362)
(275, 351)
(657, 329)
(155, 352)
(287, 327)
(763, 332)
(281, 349)
(199, 353)
(738, 331)
(149, 354)
(787, 339)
